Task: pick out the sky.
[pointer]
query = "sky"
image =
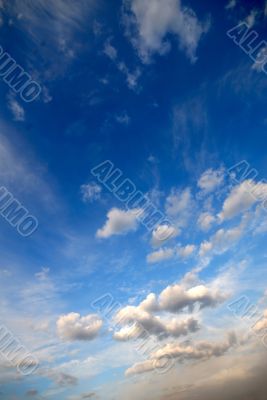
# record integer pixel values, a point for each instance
(133, 199)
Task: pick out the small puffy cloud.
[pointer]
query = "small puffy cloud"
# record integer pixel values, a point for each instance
(222, 240)
(123, 118)
(149, 22)
(160, 255)
(242, 197)
(16, 109)
(91, 192)
(211, 180)
(205, 221)
(168, 253)
(110, 51)
(178, 204)
(163, 233)
(73, 326)
(230, 5)
(119, 222)
(261, 325)
(186, 251)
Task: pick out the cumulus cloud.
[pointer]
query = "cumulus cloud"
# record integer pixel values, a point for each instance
(175, 298)
(222, 240)
(186, 251)
(149, 22)
(242, 197)
(139, 321)
(184, 351)
(91, 192)
(205, 221)
(73, 326)
(162, 233)
(164, 254)
(160, 255)
(211, 180)
(119, 222)
(261, 324)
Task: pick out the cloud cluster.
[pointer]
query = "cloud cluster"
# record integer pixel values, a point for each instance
(242, 197)
(119, 222)
(173, 299)
(90, 192)
(71, 327)
(211, 180)
(149, 22)
(168, 253)
(184, 351)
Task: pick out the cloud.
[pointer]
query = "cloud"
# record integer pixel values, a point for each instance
(168, 253)
(211, 180)
(131, 77)
(73, 327)
(50, 23)
(149, 22)
(123, 118)
(140, 319)
(179, 207)
(199, 351)
(137, 321)
(160, 255)
(223, 240)
(205, 221)
(262, 323)
(162, 233)
(91, 192)
(231, 4)
(242, 197)
(16, 109)
(119, 222)
(186, 251)
(175, 298)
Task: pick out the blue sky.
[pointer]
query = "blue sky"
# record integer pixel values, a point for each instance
(157, 88)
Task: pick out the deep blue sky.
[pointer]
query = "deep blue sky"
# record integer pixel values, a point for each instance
(159, 89)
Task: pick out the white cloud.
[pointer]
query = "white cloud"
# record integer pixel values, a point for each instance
(119, 222)
(251, 18)
(184, 351)
(176, 298)
(131, 77)
(163, 233)
(160, 255)
(179, 206)
(168, 253)
(205, 221)
(211, 179)
(73, 327)
(91, 192)
(242, 197)
(138, 321)
(110, 51)
(231, 5)
(186, 251)
(222, 240)
(148, 22)
(16, 109)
